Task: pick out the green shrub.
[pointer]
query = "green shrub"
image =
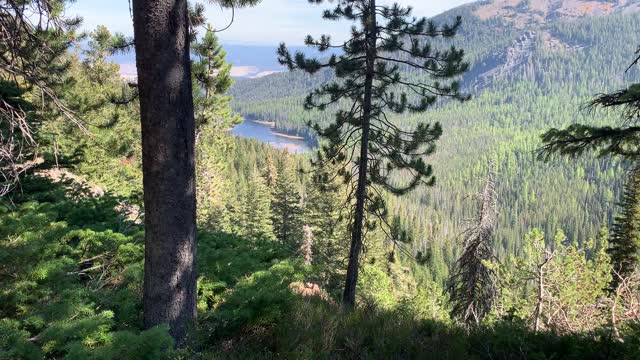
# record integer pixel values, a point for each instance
(71, 285)
(70, 281)
(260, 300)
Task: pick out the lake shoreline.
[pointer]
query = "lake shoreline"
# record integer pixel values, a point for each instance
(287, 136)
(272, 125)
(264, 122)
(265, 132)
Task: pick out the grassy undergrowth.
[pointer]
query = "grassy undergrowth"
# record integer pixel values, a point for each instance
(70, 287)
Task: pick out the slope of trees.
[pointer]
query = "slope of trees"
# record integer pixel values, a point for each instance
(504, 122)
(274, 246)
(367, 148)
(72, 270)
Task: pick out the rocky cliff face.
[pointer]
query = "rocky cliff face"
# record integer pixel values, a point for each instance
(523, 13)
(531, 20)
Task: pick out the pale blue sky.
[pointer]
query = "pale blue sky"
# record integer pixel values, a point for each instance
(269, 23)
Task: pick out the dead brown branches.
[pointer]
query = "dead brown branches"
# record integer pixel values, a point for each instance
(13, 140)
(34, 35)
(471, 287)
(625, 302)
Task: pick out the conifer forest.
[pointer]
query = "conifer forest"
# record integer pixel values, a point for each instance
(416, 185)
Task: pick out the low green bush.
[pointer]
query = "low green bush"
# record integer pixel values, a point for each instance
(70, 279)
(71, 271)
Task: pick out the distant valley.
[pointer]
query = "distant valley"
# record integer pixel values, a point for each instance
(534, 65)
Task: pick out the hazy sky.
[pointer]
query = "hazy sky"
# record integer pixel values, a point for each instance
(269, 23)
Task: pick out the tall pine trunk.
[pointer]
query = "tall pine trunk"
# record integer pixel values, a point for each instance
(349, 295)
(161, 31)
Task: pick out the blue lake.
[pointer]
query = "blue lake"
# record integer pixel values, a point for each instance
(265, 133)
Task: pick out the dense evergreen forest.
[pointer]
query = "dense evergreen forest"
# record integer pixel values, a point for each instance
(524, 247)
(523, 81)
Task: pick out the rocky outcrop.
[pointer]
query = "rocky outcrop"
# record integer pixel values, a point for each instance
(527, 12)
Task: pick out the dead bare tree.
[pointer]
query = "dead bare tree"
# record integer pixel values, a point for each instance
(540, 272)
(472, 288)
(307, 245)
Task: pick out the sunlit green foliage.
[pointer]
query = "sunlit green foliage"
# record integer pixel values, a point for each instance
(71, 260)
(286, 204)
(71, 277)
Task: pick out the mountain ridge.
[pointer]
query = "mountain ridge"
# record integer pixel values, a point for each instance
(526, 12)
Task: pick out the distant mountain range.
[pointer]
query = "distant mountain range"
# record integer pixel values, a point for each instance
(524, 13)
(501, 38)
(254, 61)
(249, 61)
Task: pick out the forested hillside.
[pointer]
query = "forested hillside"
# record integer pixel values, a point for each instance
(526, 77)
(135, 225)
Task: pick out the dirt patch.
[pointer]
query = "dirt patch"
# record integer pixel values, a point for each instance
(129, 212)
(58, 175)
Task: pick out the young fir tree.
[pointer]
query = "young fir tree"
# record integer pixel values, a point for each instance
(256, 217)
(111, 156)
(212, 80)
(285, 205)
(555, 287)
(625, 236)
(386, 66)
(214, 117)
(324, 202)
(270, 172)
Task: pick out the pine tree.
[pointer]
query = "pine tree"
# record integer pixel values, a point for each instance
(214, 117)
(371, 84)
(400, 234)
(619, 140)
(325, 213)
(257, 219)
(286, 207)
(624, 248)
(161, 30)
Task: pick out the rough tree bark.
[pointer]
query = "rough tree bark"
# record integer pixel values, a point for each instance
(349, 295)
(161, 33)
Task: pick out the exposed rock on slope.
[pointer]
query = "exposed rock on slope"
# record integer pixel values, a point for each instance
(527, 12)
(513, 56)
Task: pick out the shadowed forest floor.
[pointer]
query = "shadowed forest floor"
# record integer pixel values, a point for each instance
(71, 280)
